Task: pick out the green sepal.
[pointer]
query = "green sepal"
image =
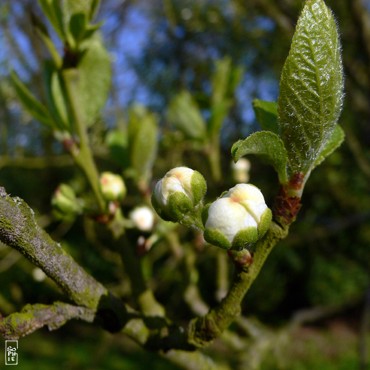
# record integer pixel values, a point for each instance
(185, 115)
(178, 205)
(245, 237)
(267, 115)
(215, 237)
(205, 213)
(264, 223)
(30, 103)
(158, 208)
(267, 145)
(311, 87)
(198, 187)
(333, 143)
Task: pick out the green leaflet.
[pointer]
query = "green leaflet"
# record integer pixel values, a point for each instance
(142, 142)
(225, 79)
(45, 37)
(30, 103)
(267, 145)
(53, 11)
(116, 140)
(77, 26)
(94, 72)
(55, 97)
(332, 144)
(266, 114)
(185, 115)
(311, 87)
(87, 7)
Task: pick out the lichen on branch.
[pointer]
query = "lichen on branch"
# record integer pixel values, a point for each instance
(19, 230)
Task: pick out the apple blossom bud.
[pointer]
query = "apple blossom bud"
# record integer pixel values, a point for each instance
(178, 193)
(112, 186)
(143, 218)
(241, 170)
(238, 218)
(65, 203)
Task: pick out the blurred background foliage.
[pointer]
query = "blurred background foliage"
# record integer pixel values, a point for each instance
(165, 58)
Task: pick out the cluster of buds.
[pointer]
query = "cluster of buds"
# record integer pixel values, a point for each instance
(236, 220)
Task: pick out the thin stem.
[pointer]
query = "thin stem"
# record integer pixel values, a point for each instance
(203, 330)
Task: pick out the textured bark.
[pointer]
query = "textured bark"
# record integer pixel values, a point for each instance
(19, 230)
(33, 317)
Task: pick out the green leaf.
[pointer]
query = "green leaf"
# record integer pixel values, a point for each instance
(332, 144)
(311, 87)
(44, 35)
(116, 140)
(30, 103)
(94, 72)
(87, 7)
(53, 11)
(185, 115)
(225, 79)
(77, 26)
(266, 114)
(142, 142)
(267, 145)
(55, 97)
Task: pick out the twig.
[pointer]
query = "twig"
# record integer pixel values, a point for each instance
(33, 317)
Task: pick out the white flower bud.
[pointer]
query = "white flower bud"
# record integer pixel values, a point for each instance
(38, 275)
(112, 186)
(143, 218)
(178, 192)
(238, 218)
(241, 170)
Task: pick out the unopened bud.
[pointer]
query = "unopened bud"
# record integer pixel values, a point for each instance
(238, 218)
(143, 218)
(65, 203)
(241, 170)
(178, 193)
(112, 186)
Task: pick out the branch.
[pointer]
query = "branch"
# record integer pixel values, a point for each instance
(33, 317)
(19, 230)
